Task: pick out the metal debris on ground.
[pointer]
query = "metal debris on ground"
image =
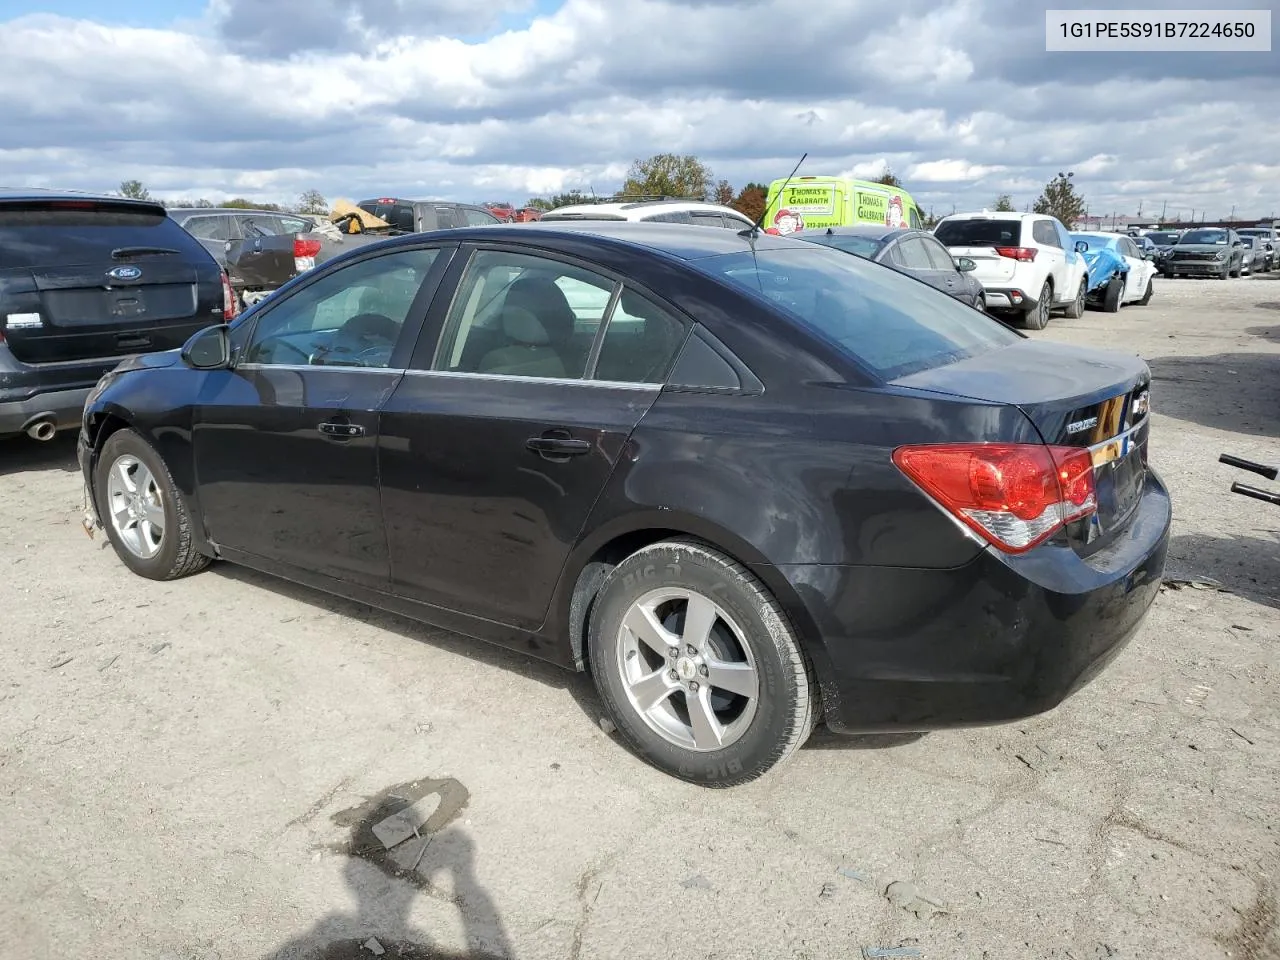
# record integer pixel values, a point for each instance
(869, 953)
(404, 824)
(853, 874)
(374, 947)
(1195, 583)
(903, 894)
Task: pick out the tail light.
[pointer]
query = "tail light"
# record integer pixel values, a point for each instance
(1022, 254)
(306, 247)
(230, 302)
(1013, 495)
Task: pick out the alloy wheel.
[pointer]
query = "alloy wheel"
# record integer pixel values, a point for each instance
(136, 506)
(687, 669)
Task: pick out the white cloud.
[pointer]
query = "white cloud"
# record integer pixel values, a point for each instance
(259, 100)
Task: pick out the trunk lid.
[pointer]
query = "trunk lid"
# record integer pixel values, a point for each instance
(84, 280)
(992, 269)
(1076, 397)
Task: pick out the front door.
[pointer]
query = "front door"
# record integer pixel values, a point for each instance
(496, 447)
(286, 442)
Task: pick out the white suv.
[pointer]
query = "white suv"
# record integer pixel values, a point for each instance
(1027, 262)
(654, 211)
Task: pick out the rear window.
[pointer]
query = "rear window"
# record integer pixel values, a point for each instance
(862, 246)
(44, 233)
(893, 324)
(1205, 236)
(979, 233)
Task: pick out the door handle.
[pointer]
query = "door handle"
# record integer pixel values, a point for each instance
(557, 446)
(343, 431)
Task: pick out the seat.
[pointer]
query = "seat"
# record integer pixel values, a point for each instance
(529, 351)
(363, 332)
(537, 324)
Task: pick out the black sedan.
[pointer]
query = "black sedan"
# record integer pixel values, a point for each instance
(913, 252)
(746, 482)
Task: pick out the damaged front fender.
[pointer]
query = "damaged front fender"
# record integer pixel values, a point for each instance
(1103, 264)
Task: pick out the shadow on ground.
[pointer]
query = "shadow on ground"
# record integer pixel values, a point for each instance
(1236, 392)
(577, 685)
(824, 739)
(1267, 333)
(1248, 566)
(19, 454)
(404, 843)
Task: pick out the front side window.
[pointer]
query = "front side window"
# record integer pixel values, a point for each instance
(208, 228)
(890, 323)
(478, 218)
(523, 316)
(351, 317)
(939, 256)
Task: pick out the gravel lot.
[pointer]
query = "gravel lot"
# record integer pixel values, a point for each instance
(189, 770)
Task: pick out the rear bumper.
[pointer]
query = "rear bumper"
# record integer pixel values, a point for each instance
(28, 392)
(997, 639)
(1009, 298)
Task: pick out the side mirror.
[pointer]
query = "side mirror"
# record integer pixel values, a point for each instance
(1081, 246)
(210, 349)
(1238, 243)
(966, 265)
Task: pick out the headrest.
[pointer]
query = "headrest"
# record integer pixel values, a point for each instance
(523, 327)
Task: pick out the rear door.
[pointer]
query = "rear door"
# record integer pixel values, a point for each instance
(285, 442)
(261, 253)
(1054, 258)
(89, 279)
(503, 434)
(980, 239)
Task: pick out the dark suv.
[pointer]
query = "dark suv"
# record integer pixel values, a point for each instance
(84, 282)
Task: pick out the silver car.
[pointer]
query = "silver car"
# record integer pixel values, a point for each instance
(1257, 259)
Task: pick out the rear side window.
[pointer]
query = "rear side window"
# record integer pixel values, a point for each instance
(1044, 233)
(980, 233)
(478, 218)
(45, 233)
(707, 219)
(912, 254)
(209, 228)
(675, 216)
(890, 323)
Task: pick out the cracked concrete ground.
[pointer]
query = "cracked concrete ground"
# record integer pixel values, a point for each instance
(177, 760)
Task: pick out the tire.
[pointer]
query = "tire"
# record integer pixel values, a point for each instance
(747, 627)
(171, 554)
(1038, 317)
(980, 304)
(1237, 271)
(1113, 296)
(1076, 310)
(1146, 295)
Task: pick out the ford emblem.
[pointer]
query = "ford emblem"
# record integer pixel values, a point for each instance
(125, 273)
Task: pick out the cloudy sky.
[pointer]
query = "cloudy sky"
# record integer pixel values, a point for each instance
(504, 99)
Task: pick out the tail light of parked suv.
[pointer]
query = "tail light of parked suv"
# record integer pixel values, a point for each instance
(230, 302)
(1013, 495)
(1021, 254)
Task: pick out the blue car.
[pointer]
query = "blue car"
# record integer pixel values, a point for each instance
(1119, 272)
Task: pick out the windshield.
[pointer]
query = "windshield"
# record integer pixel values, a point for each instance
(977, 233)
(1205, 236)
(849, 243)
(891, 323)
(1094, 240)
(1163, 238)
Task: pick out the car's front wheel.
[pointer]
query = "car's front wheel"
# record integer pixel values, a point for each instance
(698, 666)
(1076, 309)
(143, 511)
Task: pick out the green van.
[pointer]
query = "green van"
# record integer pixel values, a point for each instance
(821, 202)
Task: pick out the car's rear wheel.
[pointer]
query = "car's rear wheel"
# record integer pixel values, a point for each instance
(1037, 318)
(698, 666)
(1076, 310)
(144, 514)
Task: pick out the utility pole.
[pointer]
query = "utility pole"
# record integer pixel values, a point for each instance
(1163, 210)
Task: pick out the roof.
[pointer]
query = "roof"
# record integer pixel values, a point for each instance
(618, 209)
(222, 211)
(679, 240)
(14, 194)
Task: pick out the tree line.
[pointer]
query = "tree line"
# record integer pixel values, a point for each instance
(672, 175)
